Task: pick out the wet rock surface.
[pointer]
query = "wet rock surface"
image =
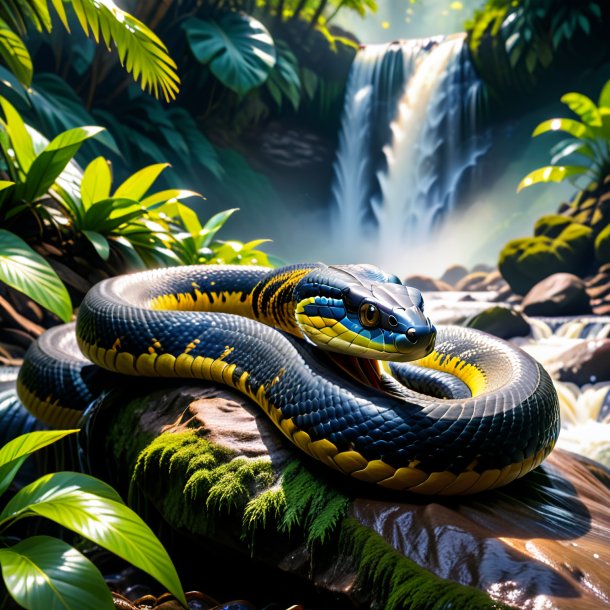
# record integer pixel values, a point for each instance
(560, 294)
(500, 321)
(540, 542)
(586, 362)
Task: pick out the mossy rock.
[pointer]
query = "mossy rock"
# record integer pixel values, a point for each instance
(525, 261)
(602, 246)
(551, 225)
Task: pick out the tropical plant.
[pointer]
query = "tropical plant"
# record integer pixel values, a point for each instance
(139, 50)
(42, 572)
(589, 142)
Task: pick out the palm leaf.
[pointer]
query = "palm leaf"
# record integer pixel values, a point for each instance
(15, 54)
(140, 51)
(584, 107)
(551, 173)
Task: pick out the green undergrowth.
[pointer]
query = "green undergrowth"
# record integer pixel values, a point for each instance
(205, 489)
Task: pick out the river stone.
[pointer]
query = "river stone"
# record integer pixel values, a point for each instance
(454, 274)
(500, 321)
(542, 541)
(560, 294)
(426, 283)
(586, 362)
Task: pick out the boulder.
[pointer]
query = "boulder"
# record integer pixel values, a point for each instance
(216, 469)
(481, 281)
(454, 274)
(500, 321)
(560, 294)
(426, 283)
(524, 262)
(586, 362)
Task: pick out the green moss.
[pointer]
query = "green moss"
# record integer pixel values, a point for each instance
(197, 485)
(566, 247)
(551, 225)
(397, 582)
(602, 246)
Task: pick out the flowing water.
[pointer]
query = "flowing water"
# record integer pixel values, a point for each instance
(409, 145)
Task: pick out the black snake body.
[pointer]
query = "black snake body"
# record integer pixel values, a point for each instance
(253, 330)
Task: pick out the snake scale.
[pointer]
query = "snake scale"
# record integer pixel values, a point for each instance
(469, 413)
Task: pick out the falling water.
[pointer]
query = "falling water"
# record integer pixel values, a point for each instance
(427, 164)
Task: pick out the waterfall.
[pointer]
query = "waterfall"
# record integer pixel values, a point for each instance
(399, 174)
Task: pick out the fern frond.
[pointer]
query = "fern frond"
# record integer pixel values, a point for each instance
(15, 54)
(140, 50)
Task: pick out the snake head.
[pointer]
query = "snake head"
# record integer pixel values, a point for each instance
(363, 313)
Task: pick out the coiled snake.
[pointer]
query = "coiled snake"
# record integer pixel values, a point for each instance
(471, 413)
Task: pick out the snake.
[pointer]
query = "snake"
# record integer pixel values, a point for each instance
(341, 358)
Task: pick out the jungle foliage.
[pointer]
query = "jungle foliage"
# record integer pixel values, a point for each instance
(518, 45)
(588, 142)
(40, 572)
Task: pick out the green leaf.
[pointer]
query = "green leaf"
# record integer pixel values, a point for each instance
(21, 140)
(575, 128)
(49, 164)
(238, 48)
(96, 182)
(17, 450)
(99, 242)
(43, 572)
(551, 173)
(99, 213)
(140, 50)
(284, 78)
(214, 224)
(94, 510)
(584, 107)
(136, 186)
(15, 54)
(26, 271)
(162, 197)
(184, 214)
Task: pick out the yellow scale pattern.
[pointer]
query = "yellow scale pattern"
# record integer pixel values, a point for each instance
(350, 462)
(48, 410)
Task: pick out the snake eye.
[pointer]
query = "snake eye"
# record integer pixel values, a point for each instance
(412, 335)
(369, 315)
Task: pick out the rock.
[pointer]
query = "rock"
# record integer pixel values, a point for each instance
(483, 267)
(502, 322)
(426, 283)
(213, 465)
(587, 362)
(454, 274)
(551, 225)
(560, 294)
(481, 281)
(524, 262)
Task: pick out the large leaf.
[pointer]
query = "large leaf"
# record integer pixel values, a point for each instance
(99, 242)
(237, 47)
(16, 451)
(49, 164)
(26, 271)
(96, 182)
(213, 225)
(140, 50)
(15, 54)
(160, 198)
(574, 128)
(136, 186)
(584, 107)
(43, 572)
(94, 510)
(20, 138)
(551, 173)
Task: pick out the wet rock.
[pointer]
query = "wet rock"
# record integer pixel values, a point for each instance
(481, 281)
(454, 274)
(587, 362)
(560, 294)
(511, 544)
(598, 289)
(502, 322)
(426, 283)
